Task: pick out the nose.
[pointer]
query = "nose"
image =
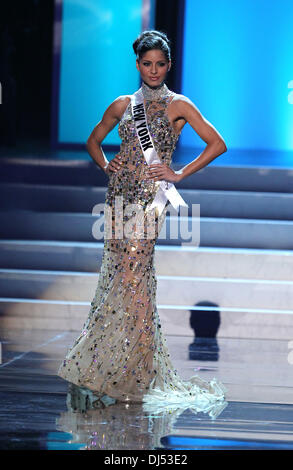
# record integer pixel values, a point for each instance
(154, 69)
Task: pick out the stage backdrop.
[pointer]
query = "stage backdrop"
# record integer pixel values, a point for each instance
(238, 70)
(96, 63)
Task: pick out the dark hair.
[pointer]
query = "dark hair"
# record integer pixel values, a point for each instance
(149, 40)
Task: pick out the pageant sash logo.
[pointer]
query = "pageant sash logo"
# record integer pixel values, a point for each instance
(142, 129)
(166, 190)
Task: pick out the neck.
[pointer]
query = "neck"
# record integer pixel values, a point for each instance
(154, 93)
(154, 87)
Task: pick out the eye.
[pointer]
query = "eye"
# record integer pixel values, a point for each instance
(146, 64)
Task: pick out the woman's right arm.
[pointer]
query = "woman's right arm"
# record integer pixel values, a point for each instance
(110, 119)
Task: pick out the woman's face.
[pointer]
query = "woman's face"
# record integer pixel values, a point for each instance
(153, 67)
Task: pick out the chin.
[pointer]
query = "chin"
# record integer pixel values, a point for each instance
(154, 84)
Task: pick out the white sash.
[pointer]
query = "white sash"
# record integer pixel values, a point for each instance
(167, 190)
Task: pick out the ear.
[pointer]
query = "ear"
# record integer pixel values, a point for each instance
(169, 66)
(137, 65)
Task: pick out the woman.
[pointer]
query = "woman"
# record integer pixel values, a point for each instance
(121, 353)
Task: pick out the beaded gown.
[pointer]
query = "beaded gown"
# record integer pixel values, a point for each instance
(121, 353)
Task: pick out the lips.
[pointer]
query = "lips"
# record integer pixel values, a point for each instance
(154, 78)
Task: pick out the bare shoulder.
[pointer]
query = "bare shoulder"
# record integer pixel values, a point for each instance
(182, 101)
(119, 105)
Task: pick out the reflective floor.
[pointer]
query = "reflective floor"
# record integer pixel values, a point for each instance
(258, 414)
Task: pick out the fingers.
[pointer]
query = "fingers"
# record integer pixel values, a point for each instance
(155, 171)
(155, 177)
(116, 163)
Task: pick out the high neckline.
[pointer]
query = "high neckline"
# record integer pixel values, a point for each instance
(157, 93)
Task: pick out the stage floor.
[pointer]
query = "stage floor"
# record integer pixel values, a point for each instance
(258, 413)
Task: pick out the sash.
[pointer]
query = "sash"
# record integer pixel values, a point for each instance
(167, 190)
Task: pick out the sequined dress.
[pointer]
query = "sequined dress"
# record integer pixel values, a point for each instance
(121, 353)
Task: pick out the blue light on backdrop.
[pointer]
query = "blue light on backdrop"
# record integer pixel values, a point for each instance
(97, 63)
(238, 70)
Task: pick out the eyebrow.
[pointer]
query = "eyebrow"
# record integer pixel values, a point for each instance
(147, 60)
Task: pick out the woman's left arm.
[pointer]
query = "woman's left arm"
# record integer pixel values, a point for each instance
(184, 109)
(215, 143)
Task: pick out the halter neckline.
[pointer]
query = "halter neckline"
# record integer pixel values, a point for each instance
(157, 93)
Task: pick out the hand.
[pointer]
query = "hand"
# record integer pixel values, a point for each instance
(161, 171)
(114, 165)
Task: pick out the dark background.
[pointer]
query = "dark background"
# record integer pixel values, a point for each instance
(26, 52)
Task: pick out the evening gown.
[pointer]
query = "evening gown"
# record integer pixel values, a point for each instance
(121, 353)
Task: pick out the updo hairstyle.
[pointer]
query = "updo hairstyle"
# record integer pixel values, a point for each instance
(149, 40)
